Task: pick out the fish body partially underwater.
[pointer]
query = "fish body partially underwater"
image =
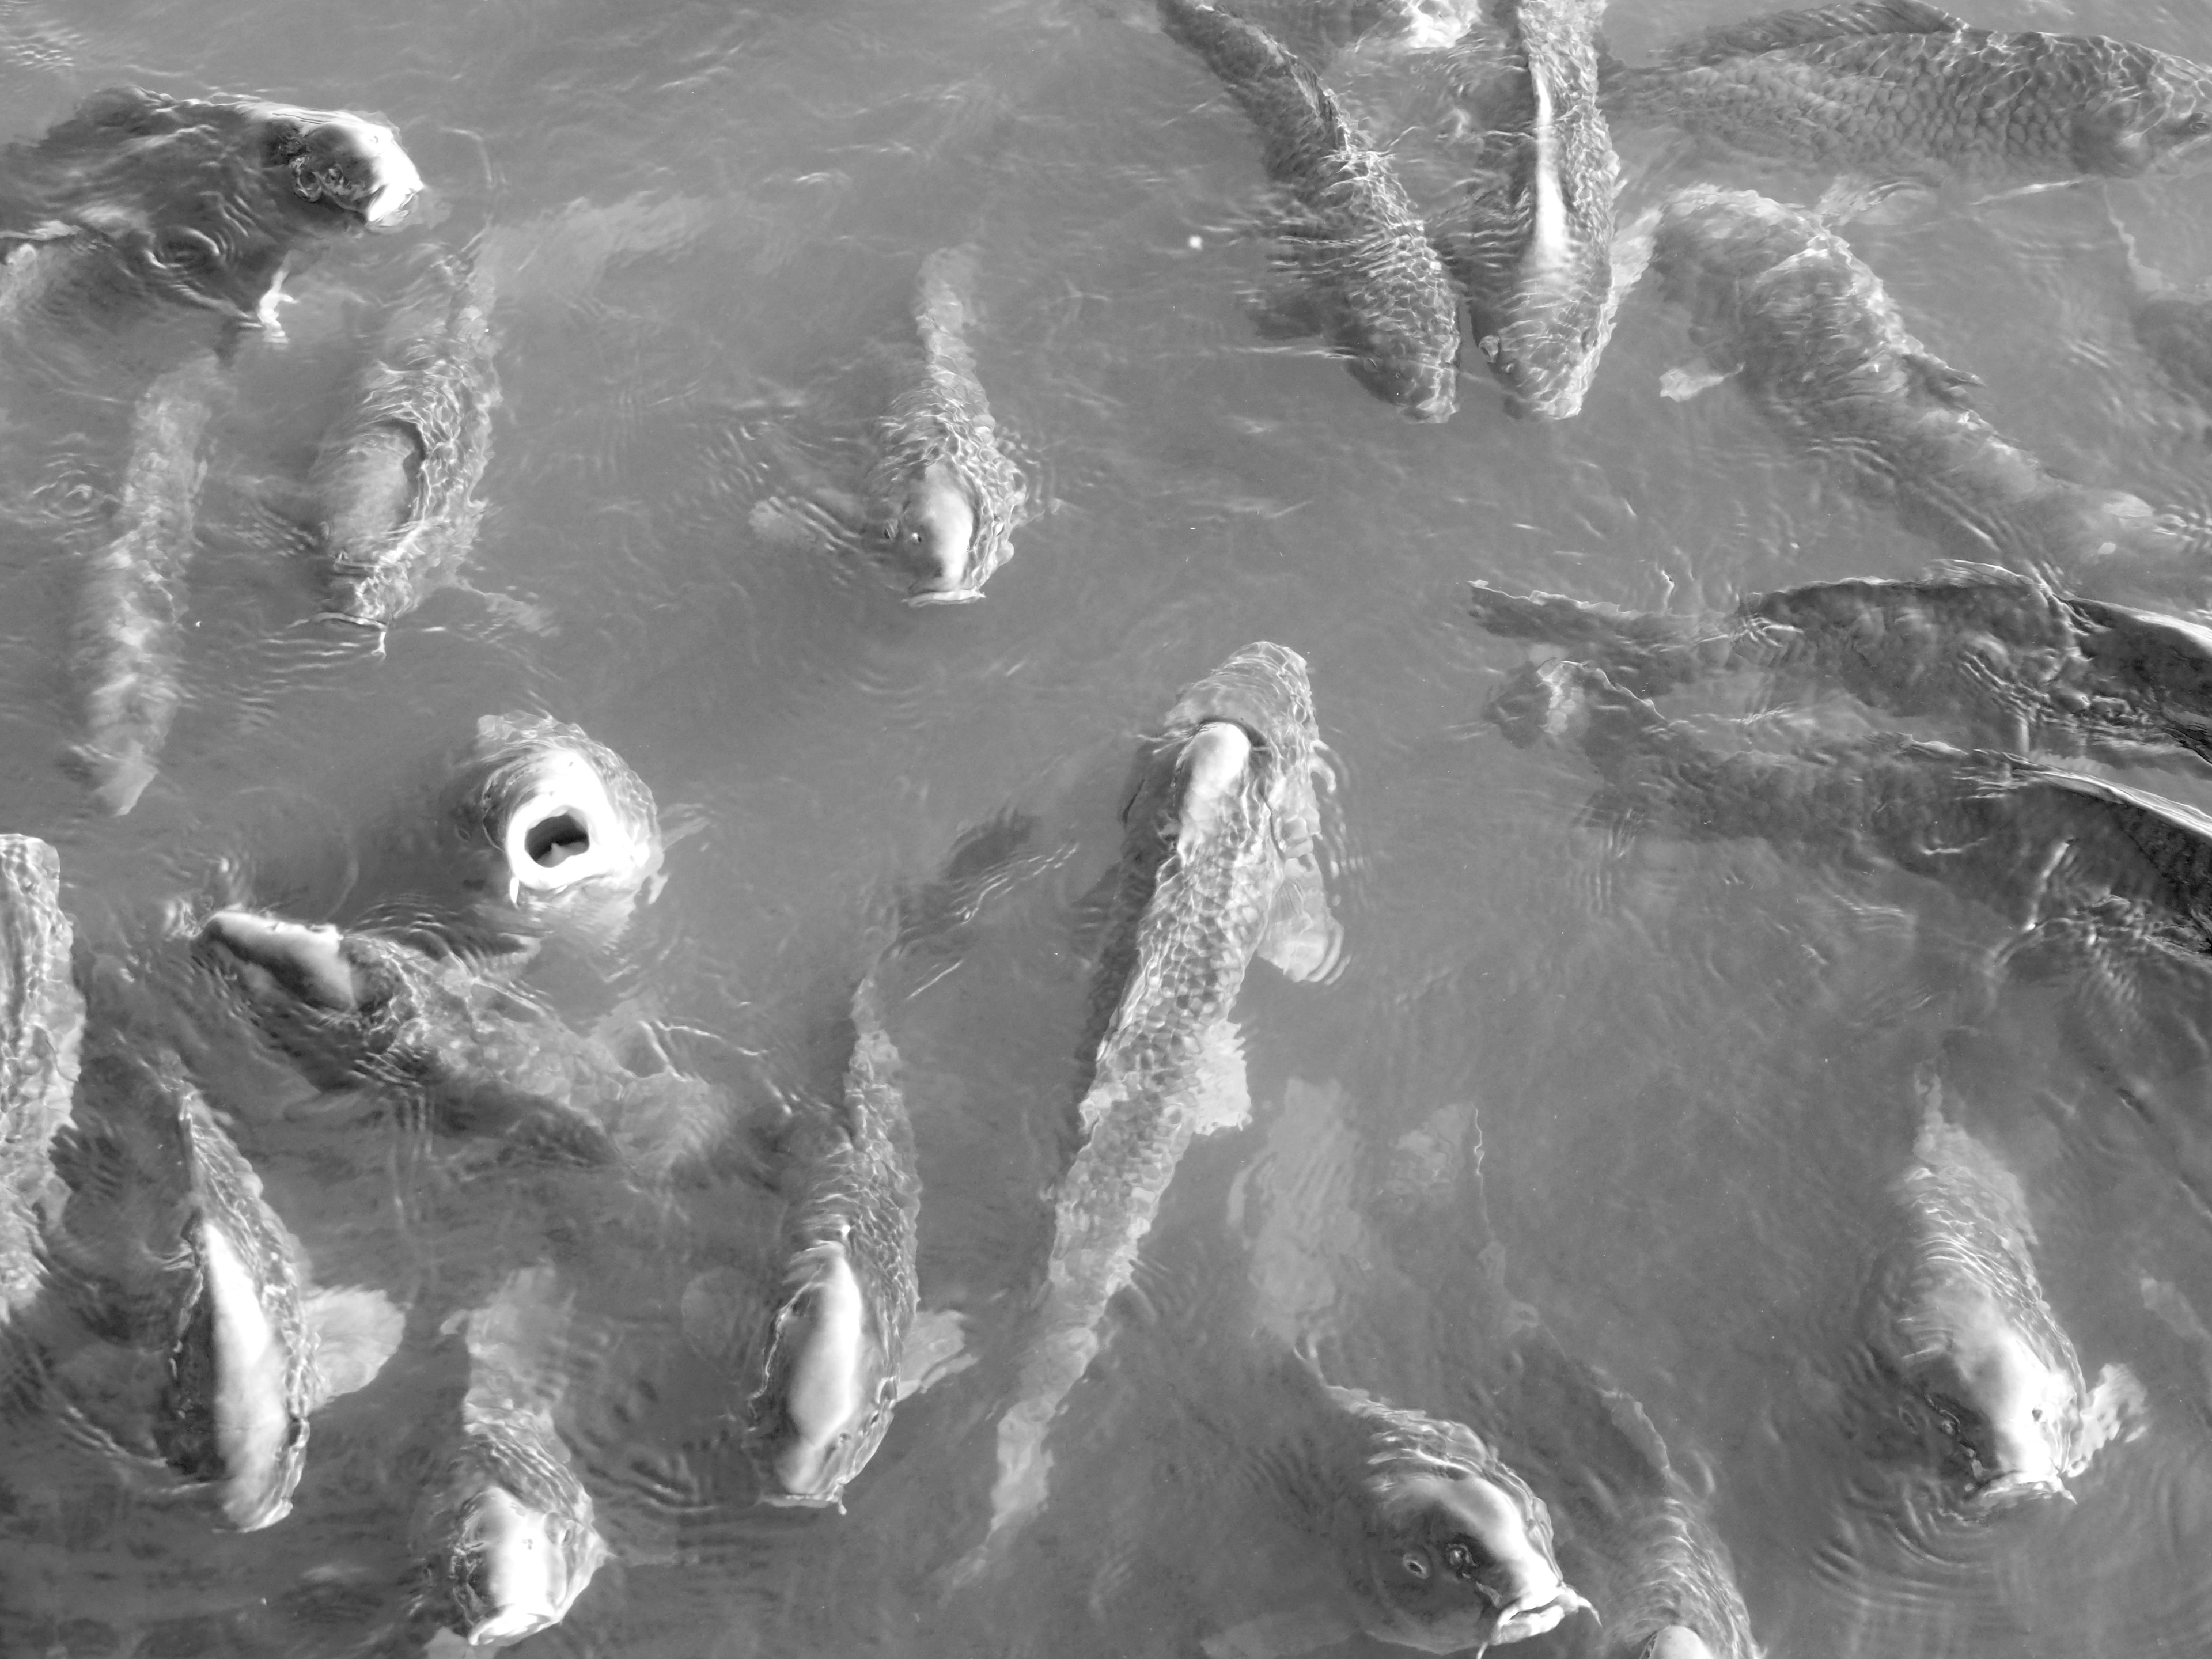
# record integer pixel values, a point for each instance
(395, 479)
(41, 1027)
(202, 199)
(1958, 1316)
(557, 833)
(2028, 666)
(1361, 269)
(1897, 88)
(1778, 300)
(366, 1010)
(1535, 250)
(131, 610)
(505, 1530)
(1217, 865)
(254, 1351)
(943, 499)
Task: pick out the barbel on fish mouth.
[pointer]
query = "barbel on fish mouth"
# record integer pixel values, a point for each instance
(2037, 844)
(1217, 865)
(204, 198)
(363, 1009)
(254, 1352)
(1898, 89)
(1958, 1316)
(130, 610)
(1361, 270)
(41, 1027)
(2026, 667)
(943, 499)
(505, 1530)
(558, 833)
(395, 479)
(1778, 301)
(1533, 244)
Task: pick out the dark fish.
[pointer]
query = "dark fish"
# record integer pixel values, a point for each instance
(505, 1529)
(1356, 250)
(254, 1352)
(131, 609)
(362, 1009)
(1218, 866)
(943, 499)
(1898, 88)
(396, 477)
(2173, 324)
(1776, 300)
(1536, 250)
(558, 831)
(2028, 666)
(203, 198)
(1958, 1316)
(2032, 841)
(40, 1034)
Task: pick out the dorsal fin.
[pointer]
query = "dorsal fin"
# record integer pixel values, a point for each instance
(1785, 30)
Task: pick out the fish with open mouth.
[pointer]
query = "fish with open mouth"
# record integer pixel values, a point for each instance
(1898, 89)
(557, 833)
(505, 1530)
(39, 1038)
(1533, 246)
(395, 478)
(357, 1009)
(1359, 268)
(943, 500)
(2026, 667)
(1957, 1316)
(1219, 864)
(1778, 301)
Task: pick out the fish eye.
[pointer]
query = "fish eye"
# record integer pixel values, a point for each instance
(1460, 1559)
(1415, 1567)
(2199, 123)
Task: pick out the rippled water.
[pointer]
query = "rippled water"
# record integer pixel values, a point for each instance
(1691, 1065)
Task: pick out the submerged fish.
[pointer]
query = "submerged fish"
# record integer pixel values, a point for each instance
(1218, 866)
(1958, 1316)
(204, 198)
(1776, 300)
(359, 1009)
(505, 1530)
(255, 1354)
(1536, 250)
(1898, 89)
(2027, 665)
(2173, 324)
(558, 831)
(1364, 273)
(131, 609)
(395, 479)
(41, 1025)
(942, 498)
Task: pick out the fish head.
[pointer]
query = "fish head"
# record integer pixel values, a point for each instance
(2159, 118)
(932, 533)
(512, 1568)
(1676, 1642)
(828, 1384)
(1545, 370)
(1246, 730)
(343, 160)
(569, 832)
(1415, 371)
(287, 963)
(2008, 1411)
(1450, 1559)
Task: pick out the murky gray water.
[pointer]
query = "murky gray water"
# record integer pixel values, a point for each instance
(1692, 1064)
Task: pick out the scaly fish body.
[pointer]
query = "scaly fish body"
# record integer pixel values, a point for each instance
(41, 1027)
(943, 498)
(1899, 89)
(396, 477)
(1536, 250)
(1778, 300)
(131, 609)
(2028, 665)
(1221, 819)
(1353, 242)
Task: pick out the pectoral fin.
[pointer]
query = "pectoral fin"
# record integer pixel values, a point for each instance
(1682, 383)
(1302, 938)
(355, 1331)
(1222, 1096)
(936, 1345)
